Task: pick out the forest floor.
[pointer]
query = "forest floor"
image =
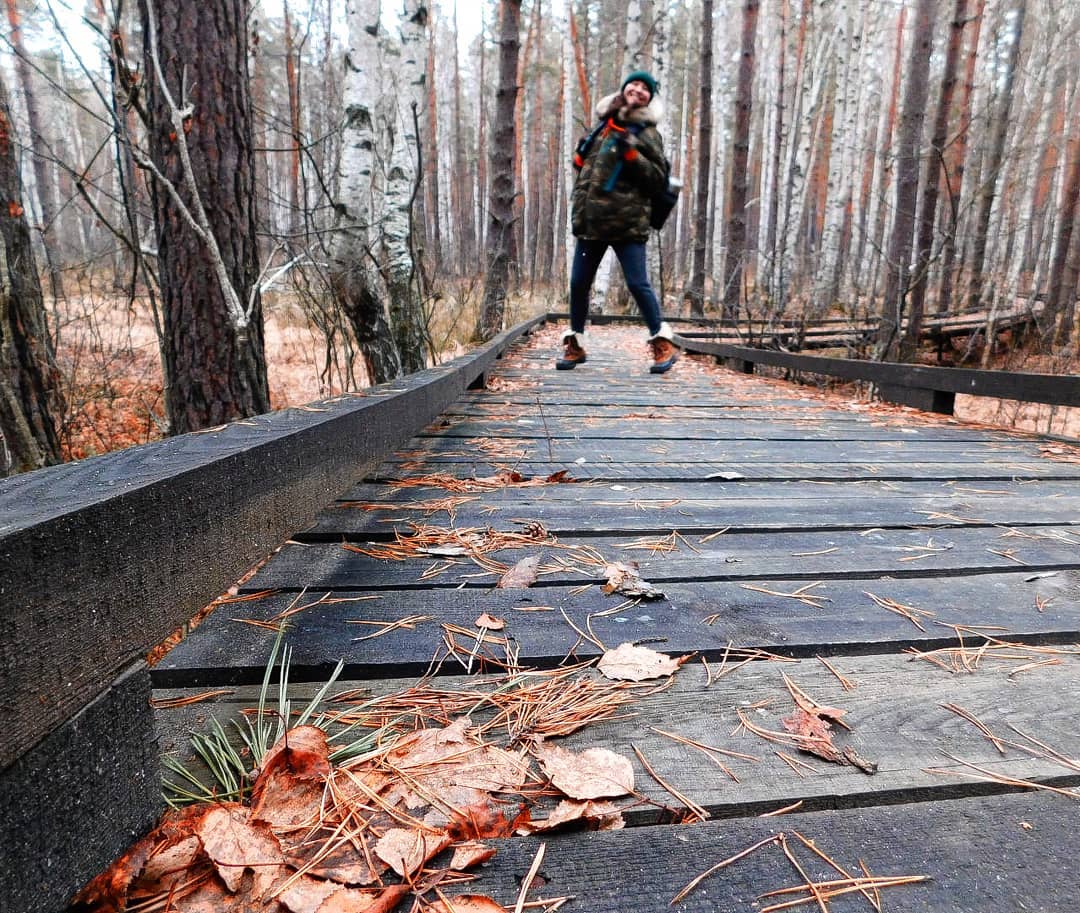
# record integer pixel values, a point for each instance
(112, 377)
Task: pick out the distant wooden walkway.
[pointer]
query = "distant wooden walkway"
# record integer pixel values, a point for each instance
(889, 531)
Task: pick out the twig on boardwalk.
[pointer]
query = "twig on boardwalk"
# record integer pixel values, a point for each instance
(782, 811)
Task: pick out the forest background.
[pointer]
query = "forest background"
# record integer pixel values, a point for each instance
(212, 208)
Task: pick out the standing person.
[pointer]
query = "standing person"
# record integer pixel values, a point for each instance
(621, 167)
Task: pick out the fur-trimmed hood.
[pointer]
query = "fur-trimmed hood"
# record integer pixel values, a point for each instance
(649, 116)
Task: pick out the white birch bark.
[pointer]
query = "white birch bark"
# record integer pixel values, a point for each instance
(807, 107)
(632, 53)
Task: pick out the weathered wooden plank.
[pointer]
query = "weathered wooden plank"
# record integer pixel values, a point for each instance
(695, 617)
(747, 556)
(614, 516)
(895, 713)
(1010, 491)
(1009, 852)
(676, 449)
(673, 471)
(808, 429)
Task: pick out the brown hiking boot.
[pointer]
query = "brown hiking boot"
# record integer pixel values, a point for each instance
(573, 353)
(664, 354)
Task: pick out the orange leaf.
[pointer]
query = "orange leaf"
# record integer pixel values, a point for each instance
(593, 774)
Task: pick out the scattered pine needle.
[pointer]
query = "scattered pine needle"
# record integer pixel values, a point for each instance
(720, 865)
(408, 623)
(783, 811)
(170, 703)
(696, 810)
(911, 613)
(846, 683)
(801, 594)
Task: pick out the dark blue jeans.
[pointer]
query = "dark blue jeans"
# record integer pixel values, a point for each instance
(631, 254)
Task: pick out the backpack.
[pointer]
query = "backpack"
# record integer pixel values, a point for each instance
(664, 202)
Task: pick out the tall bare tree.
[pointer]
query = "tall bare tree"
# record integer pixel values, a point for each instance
(501, 205)
(735, 244)
(907, 180)
(28, 381)
(695, 292)
(931, 187)
(202, 152)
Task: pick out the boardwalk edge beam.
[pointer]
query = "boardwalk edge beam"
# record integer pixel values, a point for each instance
(103, 559)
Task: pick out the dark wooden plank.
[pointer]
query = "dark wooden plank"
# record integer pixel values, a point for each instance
(1005, 853)
(617, 516)
(673, 471)
(78, 798)
(747, 556)
(227, 649)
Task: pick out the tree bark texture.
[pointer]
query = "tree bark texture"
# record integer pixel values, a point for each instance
(907, 180)
(215, 372)
(1062, 286)
(28, 377)
(696, 290)
(42, 180)
(929, 207)
(501, 206)
(353, 274)
(734, 262)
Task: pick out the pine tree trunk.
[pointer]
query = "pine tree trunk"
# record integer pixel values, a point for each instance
(29, 404)
(907, 181)
(928, 214)
(992, 169)
(696, 290)
(736, 230)
(354, 281)
(956, 164)
(213, 322)
(292, 84)
(773, 212)
(501, 208)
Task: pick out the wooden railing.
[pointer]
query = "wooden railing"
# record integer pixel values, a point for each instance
(103, 559)
(931, 389)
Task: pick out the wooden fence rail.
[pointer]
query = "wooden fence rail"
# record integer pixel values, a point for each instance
(101, 560)
(931, 389)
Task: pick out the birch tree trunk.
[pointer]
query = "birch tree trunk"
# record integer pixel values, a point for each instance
(907, 181)
(695, 292)
(1062, 284)
(735, 259)
(43, 182)
(353, 272)
(201, 142)
(29, 406)
(501, 209)
(405, 297)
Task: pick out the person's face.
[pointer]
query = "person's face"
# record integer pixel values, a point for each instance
(636, 94)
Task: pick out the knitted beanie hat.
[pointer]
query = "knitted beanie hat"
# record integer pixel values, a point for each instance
(645, 77)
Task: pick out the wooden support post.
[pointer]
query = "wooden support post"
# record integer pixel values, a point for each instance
(480, 382)
(923, 398)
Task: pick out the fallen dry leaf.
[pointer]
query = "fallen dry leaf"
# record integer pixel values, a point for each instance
(361, 900)
(624, 578)
(600, 816)
(592, 774)
(636, 664)
(473, 853)
(467, 903)
(405, 850)
(521, 576)
(234, 845)
(490, 622)
(307, 894)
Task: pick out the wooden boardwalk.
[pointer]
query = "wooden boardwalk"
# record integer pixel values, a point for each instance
(774, 519)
